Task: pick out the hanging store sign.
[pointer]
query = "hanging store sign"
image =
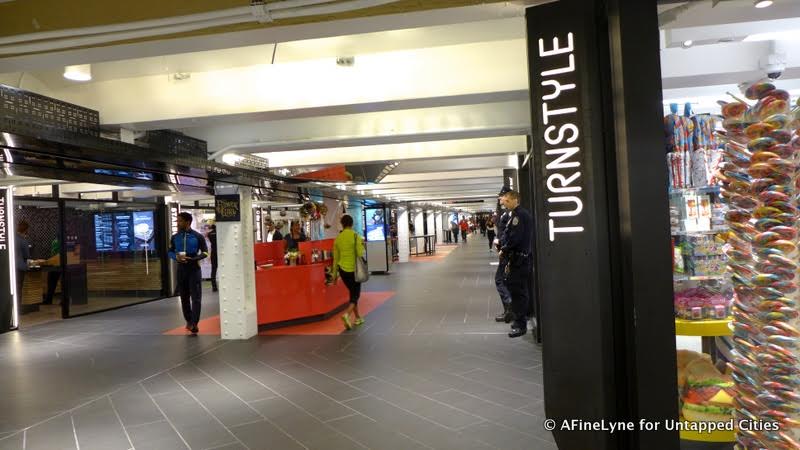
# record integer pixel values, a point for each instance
(227, 208)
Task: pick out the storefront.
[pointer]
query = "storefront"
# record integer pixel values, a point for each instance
(666, 240)
(97, 213)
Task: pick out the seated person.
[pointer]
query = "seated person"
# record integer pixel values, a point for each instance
(295, 236)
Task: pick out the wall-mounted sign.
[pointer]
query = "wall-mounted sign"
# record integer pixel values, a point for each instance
(227, 208)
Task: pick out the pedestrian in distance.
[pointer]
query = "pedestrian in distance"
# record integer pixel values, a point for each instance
(491, 232)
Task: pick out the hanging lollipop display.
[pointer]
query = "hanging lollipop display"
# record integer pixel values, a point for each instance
(760, 185)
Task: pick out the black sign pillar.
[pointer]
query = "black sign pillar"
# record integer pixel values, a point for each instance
(602, 238)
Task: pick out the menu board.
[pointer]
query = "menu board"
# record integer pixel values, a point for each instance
(104, 232)
(144, 231)
(124, 231)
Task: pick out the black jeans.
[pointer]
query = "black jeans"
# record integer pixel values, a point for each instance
(353, 287)
(52, 283)
(455, 235)
(464, 235)
(500, 283)
(190, 289)
(516, 281)
(490, 235)
(214, 264)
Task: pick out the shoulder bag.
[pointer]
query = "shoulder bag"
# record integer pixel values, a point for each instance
(361, 272)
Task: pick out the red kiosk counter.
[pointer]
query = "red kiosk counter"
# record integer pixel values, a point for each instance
(296, 293)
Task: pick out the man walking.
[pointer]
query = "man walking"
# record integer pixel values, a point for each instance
(187, 247)
(516, 250)
(500, 275)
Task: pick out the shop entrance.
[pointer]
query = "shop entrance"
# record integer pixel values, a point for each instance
(83, 247)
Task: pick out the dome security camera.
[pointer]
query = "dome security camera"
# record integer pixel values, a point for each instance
(773, 65)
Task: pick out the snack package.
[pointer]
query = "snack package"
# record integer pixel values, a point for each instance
(707, 393)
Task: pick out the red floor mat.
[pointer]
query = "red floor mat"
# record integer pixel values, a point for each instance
(368, 302)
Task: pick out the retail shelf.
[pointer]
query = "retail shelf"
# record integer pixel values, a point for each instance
(701, 277)
(699, 233)
(716, 436)
(707, 328)
(694, 191)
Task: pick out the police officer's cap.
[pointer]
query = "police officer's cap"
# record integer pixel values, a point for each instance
(505, 189)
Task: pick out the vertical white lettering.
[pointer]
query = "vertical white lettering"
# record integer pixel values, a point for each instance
(565, 153)
(569, 68)
(554, 230)
(565, 183)
(578, 206)
(557, 88)
(546, 113)
(561, 132)
(556, 49)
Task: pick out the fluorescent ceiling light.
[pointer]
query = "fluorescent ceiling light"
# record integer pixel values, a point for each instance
(231, 158)
(789, 35)
(81, 72)
(687, 43)
(762, 3)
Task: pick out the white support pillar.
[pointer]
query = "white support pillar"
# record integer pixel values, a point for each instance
(441, 218)
(402, 234)
(431, 222)
(237, 281)
(419, 224)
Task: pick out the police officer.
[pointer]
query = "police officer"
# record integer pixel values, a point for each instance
(516, 251)
(500, 275)
(187, 247)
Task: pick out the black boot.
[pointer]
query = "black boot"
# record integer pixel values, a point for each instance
(518, 329)
(506, 316)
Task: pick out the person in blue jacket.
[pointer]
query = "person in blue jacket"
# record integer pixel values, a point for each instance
(187, 247)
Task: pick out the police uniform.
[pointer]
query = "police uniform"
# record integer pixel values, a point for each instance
(517, 254)
(500, 275)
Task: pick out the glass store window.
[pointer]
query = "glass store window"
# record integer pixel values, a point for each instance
(113, 255)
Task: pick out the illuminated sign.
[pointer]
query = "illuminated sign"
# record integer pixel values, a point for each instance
(559, 121)
(8, 275)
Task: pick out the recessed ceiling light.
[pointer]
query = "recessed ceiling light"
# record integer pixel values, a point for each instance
(687, 43)
(81, 72)
(762, 3)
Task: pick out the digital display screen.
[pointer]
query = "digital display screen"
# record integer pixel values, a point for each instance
(376, 225)
(122, 173)
(124, 231)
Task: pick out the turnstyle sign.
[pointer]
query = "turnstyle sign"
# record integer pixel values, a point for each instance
(227, 208)
(7, 277)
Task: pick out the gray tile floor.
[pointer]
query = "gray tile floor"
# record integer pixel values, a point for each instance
(429, 370)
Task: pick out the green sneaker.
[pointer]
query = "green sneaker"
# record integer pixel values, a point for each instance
(347, 324)
(359, 321)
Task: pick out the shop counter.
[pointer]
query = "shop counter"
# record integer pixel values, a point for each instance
(293, 294)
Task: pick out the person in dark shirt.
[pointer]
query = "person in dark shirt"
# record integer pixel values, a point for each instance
(22, 253)
(294, 237)
(500, 274)
(187, 247)
(516, 251)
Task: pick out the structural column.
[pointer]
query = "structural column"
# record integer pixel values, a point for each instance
(431, 222)
(237, 284)
(419, 224)
(402, 234)
(440, 224)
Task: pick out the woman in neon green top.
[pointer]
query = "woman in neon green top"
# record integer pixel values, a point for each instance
(346, 248)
